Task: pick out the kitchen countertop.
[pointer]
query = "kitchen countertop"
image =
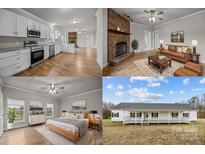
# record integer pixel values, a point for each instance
(3, 50)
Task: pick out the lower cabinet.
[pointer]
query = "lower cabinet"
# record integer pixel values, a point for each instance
(37, 119)
(14, 62)
(46, 52)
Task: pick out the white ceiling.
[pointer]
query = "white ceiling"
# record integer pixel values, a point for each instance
(169, 14)
(64, 16)
(72, 85)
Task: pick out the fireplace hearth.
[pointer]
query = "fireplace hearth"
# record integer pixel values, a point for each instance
(121, 49)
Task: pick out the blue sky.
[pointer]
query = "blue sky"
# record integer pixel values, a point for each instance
(151, 89)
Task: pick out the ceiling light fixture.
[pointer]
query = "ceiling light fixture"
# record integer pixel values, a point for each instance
(152, 19)
(52, 89)
(75, 21)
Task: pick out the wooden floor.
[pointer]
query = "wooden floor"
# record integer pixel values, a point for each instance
(23, 136)
(128, 68)
(83, 63)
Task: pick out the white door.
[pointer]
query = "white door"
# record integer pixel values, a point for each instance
(7, 23)
(156, 43)
(1, 112)
(147, 37)
(21, 26)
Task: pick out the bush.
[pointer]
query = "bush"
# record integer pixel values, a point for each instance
(134, 44)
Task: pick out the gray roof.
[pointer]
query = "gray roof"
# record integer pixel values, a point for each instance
(153, 106)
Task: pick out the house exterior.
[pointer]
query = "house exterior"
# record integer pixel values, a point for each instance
(147, 113)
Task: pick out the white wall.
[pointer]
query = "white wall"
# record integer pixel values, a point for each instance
(26, 96)
(86, 39)
(1, 109)
(193, 27)
(93, 99)
(101, 37)
(137, 32)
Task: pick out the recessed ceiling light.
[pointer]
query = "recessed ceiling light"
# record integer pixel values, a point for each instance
(53, 24)
(75, 21)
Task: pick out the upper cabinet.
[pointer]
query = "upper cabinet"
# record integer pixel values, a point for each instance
(57, 34)
(12, 24)
(33, 24)
(45, 31)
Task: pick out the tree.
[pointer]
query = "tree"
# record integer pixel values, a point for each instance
(106, 110)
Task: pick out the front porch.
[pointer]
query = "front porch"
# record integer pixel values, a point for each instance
(155, 117)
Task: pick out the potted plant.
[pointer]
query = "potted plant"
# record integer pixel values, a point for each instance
(157, 52)
(11, 116)
(134, 45)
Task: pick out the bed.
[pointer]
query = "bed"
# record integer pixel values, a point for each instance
(71, 128)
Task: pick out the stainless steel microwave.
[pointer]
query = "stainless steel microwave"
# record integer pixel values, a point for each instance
(33, 33)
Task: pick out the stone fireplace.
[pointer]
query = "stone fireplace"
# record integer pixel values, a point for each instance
(118, 38)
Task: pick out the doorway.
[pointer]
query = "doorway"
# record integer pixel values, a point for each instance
(146, 115)
(156, 43)
(148, 42)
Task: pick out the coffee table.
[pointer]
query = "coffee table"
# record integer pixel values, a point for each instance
(158, 64)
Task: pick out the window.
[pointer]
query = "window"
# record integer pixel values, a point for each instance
(186, 115)
(115, 114)
(49, 110)
(154, 114)
(175, 115)
(139, 115)
(19, 106)
(132, 114)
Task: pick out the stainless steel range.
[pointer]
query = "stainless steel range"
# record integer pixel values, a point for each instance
(37, 52)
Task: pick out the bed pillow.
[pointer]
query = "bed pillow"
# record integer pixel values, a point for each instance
(80, 116)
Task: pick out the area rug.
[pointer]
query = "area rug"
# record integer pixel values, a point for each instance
(91, 137)
(147, 70)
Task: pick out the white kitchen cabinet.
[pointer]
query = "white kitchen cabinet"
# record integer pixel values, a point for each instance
(34, 24)
(45, 30)
(37, 119)
(46, 52)
(57, 34)
(13, 62)
(12, 24)
(57, 48)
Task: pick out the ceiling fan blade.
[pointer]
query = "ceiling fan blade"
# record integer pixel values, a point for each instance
(159, 18)
(44, 87)
(146, 11)
(61, 87)
(160, 13)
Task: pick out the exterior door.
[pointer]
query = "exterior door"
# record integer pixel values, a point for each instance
(146, 115)
(156, 40)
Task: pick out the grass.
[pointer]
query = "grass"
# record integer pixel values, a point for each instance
(166, 134)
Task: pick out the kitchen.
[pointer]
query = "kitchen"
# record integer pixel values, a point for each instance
(29, 44)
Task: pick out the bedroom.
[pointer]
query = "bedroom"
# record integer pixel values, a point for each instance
(42, 110)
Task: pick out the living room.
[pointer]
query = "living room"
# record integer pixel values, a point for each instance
(150, 34)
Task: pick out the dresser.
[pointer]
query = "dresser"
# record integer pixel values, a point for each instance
(37, 119)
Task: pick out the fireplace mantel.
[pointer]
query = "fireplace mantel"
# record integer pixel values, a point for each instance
(118, 32)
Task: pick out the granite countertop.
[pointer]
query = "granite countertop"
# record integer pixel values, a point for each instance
(3, 50)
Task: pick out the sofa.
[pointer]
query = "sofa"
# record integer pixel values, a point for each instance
(176, 52)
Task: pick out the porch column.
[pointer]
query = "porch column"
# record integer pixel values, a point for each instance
(158, 117)
(135, 118)
(169, 117)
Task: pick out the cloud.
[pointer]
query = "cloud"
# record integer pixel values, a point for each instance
(197, 89)
(181, 92)
(109, 86)
(144, 94)
(186, 81)
(152, 81)
(119, 93)
(154, 84)
(171, 92)
(120, 87)
(202, 81)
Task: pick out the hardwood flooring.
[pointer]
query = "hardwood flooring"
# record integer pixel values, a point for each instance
(83, 63)
(128, 68)
(23, 136)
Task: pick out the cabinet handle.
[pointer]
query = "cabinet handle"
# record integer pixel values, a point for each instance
(18, 67)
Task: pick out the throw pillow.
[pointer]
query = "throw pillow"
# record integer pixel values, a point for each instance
(166, 47)
(184, 49)
(179, 49)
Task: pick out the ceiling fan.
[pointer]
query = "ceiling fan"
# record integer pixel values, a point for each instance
(52, 88)
(152, 14)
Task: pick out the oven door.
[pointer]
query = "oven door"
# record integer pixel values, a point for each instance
(33, 33)
(37, 57)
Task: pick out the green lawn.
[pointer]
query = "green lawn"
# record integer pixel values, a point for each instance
(116, 133)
